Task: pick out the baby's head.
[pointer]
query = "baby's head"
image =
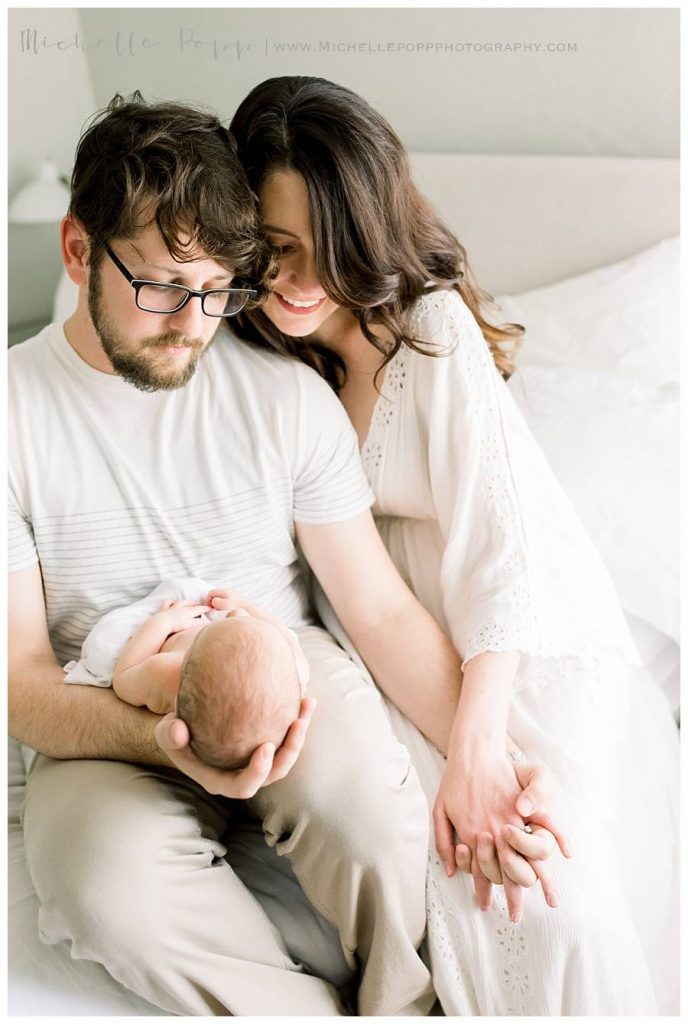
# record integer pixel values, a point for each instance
(240, 686)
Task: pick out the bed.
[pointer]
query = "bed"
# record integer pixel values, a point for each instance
(583, 252)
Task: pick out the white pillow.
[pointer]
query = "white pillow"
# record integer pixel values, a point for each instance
(613, 444)
(622, 318)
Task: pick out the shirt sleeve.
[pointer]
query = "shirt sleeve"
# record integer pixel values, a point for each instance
(487, 592)
(329, 480)
(21, 543)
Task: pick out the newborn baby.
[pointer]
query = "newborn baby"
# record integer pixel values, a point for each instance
(232, 672)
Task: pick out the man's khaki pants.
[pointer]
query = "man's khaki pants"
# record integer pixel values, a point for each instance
(132, 867)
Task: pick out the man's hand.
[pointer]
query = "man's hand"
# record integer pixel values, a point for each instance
(266, 766)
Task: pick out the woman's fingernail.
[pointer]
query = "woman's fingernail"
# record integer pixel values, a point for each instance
(515, 918)
(526, 806)
(553, 899)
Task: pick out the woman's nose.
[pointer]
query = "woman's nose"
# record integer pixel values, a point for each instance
(302, 273)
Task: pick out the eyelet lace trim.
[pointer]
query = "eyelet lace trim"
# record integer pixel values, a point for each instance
(445, 942)
(385, 409)
(521, 632)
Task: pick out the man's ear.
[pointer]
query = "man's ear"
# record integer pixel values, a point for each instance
(75, 248)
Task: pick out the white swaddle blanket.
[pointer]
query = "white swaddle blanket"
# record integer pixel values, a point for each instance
(104, 644)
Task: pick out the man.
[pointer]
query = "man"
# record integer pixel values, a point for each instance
(139, 452)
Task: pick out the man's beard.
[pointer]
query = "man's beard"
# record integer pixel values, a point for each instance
(140, 367)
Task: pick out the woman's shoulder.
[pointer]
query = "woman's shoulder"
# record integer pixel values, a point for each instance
(440, 318)
(442, 326)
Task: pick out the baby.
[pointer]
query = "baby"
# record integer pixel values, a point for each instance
(231, 671)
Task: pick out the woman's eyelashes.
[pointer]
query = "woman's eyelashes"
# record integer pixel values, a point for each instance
(281, 249)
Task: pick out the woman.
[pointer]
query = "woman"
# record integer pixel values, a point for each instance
(375, 293)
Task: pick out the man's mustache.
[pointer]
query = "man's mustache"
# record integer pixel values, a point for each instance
(163, 340)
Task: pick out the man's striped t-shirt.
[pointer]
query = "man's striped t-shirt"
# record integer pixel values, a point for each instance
(113, 489)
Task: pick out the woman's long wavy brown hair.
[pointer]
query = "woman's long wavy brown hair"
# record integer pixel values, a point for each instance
(377, 240)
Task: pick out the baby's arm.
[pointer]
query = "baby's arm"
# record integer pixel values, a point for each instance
(145, 677)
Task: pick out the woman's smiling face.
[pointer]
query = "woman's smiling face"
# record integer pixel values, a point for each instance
(297, 304)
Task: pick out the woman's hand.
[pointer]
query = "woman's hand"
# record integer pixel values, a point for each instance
(517, 846)
(267, 765)
(477, 795)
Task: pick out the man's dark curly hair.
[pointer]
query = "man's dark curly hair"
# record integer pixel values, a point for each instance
(174, 165)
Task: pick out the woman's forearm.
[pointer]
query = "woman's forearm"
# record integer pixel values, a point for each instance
(480, 724)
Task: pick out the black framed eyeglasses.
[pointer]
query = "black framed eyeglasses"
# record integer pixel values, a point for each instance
(154, 297)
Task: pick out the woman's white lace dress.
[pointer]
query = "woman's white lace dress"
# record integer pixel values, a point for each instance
(485, 536)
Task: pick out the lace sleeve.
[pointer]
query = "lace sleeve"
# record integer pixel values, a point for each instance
(485, 577)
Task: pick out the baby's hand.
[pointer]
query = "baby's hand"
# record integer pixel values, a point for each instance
(180, 615)
(226, 600)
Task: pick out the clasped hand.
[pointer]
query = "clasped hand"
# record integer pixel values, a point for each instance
(487, 807)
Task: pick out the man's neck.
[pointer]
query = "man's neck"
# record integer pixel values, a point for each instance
(81, 335)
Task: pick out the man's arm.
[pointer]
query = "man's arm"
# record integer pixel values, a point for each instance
(60, 719)
(407, 652)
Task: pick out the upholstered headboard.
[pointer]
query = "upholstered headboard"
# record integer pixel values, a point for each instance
(532, 220)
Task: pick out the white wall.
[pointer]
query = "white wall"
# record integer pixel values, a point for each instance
(50, 97)
(616, 94)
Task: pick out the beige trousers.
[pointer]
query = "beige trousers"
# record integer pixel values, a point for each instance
(132, 867)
